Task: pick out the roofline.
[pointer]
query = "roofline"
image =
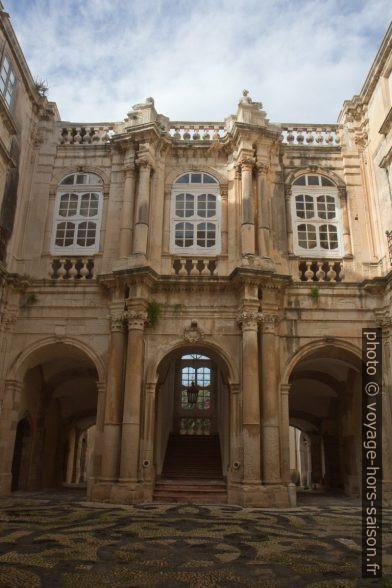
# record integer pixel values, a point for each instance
(377, 66)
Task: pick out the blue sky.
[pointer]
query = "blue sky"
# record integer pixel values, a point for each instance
(301, 58)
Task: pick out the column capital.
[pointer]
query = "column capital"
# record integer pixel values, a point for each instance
(129, 170)
(384, 320)
(247, 163)
(136, 319)
(224, 190)
(145, 164)
(117, 321)
(269, 322)
(249, 320)
(262, 168)
(237, 171)
(342, 191)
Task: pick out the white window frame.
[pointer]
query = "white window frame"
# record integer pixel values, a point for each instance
(196, 189)
(77, 219)
(316, 221)
(8, 86)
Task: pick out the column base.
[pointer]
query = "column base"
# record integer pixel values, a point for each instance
(259, 495)
(119, 493)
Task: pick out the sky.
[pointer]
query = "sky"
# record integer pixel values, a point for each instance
(300, 58)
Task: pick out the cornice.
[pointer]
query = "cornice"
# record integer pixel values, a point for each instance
(386, 125)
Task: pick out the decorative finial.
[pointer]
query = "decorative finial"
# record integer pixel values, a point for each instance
(245, 92)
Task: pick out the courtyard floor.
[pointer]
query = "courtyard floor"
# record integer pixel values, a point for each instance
(59, 540)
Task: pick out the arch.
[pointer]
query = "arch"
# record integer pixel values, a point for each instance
(33, 355)
(59, 175)
(331, 175)
(180, 170)
(311, 349)
(223, 359)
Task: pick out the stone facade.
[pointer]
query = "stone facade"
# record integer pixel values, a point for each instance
(105, 288)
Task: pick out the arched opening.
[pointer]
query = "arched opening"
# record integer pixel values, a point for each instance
(21, 457)
(192, 442)
(60, 393)
(325, 421)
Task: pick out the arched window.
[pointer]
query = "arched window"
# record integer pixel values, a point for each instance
(316, 217)
(195, 214)
(77, 215)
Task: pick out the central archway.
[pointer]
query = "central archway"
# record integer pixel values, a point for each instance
(192, 431)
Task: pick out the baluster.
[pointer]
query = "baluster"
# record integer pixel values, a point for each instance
(309, 137)
(64, 136)
(194, 270)
(84, 270)
(78, 136)
(61, 272)
(309, 272)
(177, 135)
(72, 272)
(196, 134)
(319, 137)
(337, 136)
(340, 269)
(290, 136)
(329, 138)
(331, 274)
(215, 136)
(320, 273)
(206, 135)
(182, 271)
(95, 135)
(300, 137)
(186, 136)
(205, 271)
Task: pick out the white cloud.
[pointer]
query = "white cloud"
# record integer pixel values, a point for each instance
(301, 59)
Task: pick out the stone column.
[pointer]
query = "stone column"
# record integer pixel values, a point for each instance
(142, 208)
(98, 448)
(235, 432)
(8, 423)
(130, 441)
(285, 432)
(249, 319)
(127, 212)
(148, 433)
(113, 400)
(289, 222)
(263, 225)
(248, 215)
(270, 402)
(345, 222)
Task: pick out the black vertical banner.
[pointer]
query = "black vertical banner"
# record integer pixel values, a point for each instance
(372, 453)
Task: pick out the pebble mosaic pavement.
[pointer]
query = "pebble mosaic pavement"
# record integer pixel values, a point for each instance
(58, 540)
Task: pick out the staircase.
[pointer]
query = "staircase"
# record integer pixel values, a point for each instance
(192, 471)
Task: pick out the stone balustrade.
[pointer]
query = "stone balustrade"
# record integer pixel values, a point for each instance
(86, 135)
(310, 135)
(75, 268)
(320, 271)
(190, 131)
(195, 426)
(194, 267)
